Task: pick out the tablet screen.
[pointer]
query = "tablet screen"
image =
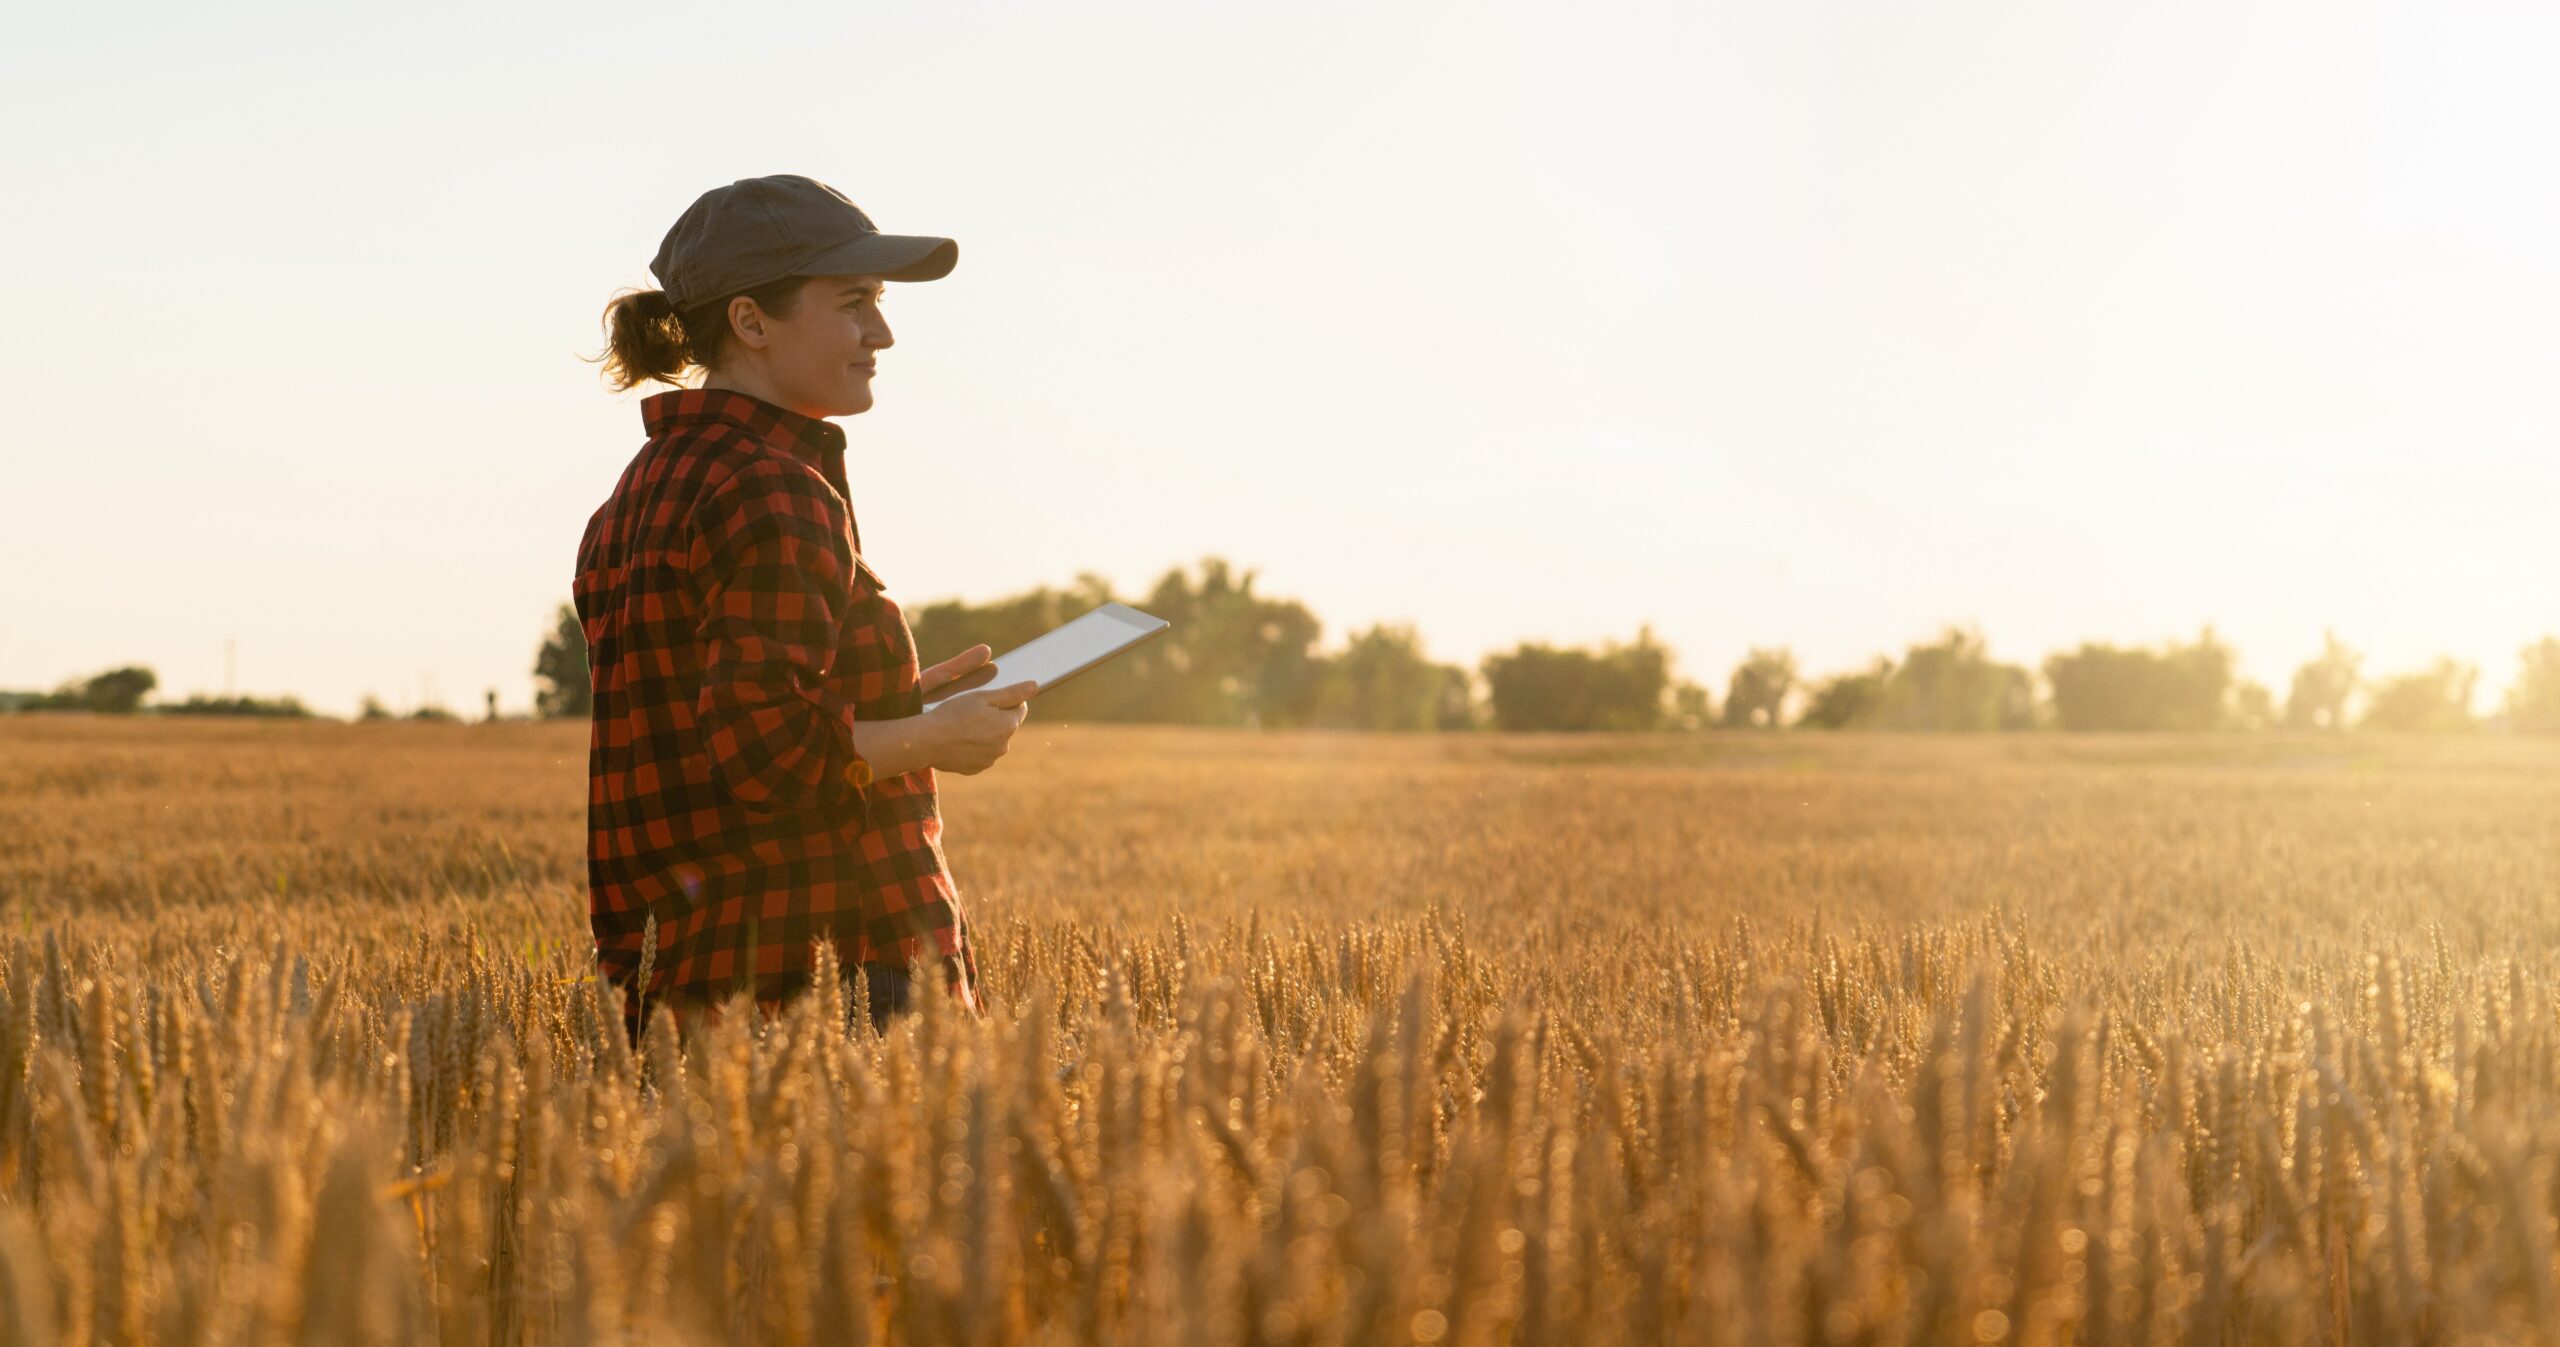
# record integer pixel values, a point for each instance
(1055, 656)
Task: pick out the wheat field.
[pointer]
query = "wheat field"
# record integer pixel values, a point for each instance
(1310, 1039)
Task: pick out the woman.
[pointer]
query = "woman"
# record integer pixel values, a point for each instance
(759, 778)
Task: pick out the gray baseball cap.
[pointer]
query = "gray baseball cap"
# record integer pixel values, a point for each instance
(756, 230)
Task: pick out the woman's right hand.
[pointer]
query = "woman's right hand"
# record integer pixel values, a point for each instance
(977, 727)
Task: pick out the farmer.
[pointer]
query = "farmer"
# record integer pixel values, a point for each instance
(758, 775)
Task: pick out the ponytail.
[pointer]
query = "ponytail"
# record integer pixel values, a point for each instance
(647, 337)
(644, 340)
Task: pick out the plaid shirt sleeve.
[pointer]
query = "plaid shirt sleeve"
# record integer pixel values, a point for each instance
(777, 568)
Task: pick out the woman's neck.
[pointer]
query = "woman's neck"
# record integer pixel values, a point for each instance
(749, 382)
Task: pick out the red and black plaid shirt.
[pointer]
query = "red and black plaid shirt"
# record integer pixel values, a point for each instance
(736, 635)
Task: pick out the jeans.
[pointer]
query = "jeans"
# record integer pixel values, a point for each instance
(891, 992)
(892, 995)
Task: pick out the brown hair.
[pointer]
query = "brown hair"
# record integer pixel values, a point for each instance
(646, 337)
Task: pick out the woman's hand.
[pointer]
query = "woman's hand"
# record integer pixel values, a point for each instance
(955, 666)
(972, 727)
(975, 728)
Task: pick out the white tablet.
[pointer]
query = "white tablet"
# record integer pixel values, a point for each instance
(1059, 654)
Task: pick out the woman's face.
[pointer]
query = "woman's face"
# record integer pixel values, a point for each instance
(821, 359)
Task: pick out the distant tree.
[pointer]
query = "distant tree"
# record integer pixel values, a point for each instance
(118, 691)
(1232, 657)
(1756, 696)
(560, 669)
(1457, 708)
(1639, 680)
(2253, 707)
(2533, 704)
(1952, 683)
(2435, 700)
(1692, 706)
(1536, 686)
(373, 709)
(2322, 687)
(2177, 687)
(434, 713)
(1380, 681)
(115, 692)
(1619, 687)
(1846, 701)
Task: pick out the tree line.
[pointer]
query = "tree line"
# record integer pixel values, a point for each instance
(1952, 683)
(126, 689)
(1237, 657)
(1241, 658)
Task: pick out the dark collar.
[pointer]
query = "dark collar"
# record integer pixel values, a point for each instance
(814, 441)
(809, 438)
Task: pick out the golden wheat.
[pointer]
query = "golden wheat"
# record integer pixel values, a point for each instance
(1309, 1039)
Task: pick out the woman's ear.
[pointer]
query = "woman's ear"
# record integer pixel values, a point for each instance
(746, 322)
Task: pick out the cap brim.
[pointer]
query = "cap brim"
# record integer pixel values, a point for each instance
(897, 257)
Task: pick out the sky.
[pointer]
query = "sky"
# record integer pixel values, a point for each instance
(1772, 323)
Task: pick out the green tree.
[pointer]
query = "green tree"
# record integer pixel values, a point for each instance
(2322, 687)
(1756, 696)
(1846, 701)
(1457, 707)
(2533, 704)
(2434, 700)
(1621, 686)
(1380, 681)
(2177, 687)
(1692, 706)
(1232, 657)
(116, 692)
(1952, 683)
(560, 669)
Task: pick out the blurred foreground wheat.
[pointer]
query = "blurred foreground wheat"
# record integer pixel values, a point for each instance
(1310, 1039)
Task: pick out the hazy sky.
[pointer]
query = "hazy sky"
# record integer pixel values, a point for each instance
(1791, 322)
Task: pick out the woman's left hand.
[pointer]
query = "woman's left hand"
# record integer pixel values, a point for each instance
(955, 666)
